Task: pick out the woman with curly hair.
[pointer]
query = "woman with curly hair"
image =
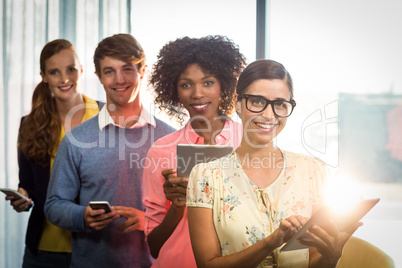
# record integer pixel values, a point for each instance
(57, 107)
(195, 77)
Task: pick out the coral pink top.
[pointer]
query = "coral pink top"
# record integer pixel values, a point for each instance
(177, 250)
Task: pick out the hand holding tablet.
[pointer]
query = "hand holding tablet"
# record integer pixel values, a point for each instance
(189, 155)
(322, 217)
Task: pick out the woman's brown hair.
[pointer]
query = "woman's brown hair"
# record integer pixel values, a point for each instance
(39, 132)
(263, 69)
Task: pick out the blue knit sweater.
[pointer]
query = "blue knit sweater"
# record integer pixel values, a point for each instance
(94, 165)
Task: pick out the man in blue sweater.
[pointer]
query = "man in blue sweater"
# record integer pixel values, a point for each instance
(102, 160)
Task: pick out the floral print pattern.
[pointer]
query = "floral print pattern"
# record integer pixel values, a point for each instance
(244, 214)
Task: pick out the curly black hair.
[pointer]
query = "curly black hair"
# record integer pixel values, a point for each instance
(217, 55)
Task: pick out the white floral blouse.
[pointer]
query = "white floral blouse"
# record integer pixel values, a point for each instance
(243, 213)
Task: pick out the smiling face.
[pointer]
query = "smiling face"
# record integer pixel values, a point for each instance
(261, 128)
(121, 81)
(199, 92)
(62, 73)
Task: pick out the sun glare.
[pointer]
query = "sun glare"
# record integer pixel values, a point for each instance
(342, 193)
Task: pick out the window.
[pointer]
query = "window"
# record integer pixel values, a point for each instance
(346, 55)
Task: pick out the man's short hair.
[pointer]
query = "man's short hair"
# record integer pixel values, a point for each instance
(120, 46)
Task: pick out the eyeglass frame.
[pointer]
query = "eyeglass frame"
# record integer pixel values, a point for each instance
(269, 102)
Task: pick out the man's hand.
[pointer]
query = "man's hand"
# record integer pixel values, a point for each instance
(135, 219)
(98, 219)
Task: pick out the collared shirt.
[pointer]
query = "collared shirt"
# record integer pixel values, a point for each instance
(144, 118)
(177, 250)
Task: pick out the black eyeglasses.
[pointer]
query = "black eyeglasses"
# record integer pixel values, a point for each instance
(257, 104)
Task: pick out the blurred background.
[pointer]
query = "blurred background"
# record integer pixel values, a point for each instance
(345, 58)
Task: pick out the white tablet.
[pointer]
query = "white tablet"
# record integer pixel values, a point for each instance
(324, 214)
(189, 155)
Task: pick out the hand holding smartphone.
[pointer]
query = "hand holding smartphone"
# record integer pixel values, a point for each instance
(98, 221)
(17, 195)
(101, 205)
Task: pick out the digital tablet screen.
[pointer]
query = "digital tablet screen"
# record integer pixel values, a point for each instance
(189, 155)
(324, 214)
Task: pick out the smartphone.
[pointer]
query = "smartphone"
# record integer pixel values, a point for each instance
(101, 205)
(17, 195)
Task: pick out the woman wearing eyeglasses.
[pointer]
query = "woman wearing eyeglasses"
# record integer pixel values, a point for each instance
(243, 207)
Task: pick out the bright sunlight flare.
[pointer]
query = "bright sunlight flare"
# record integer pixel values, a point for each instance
(342, 193)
